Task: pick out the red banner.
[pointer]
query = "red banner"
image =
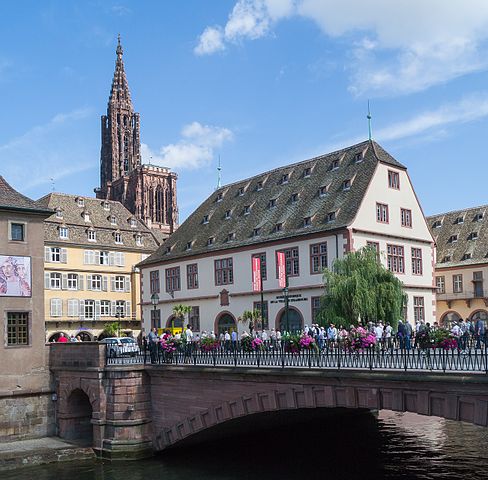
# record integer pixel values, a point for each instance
(280, 256)
(256, 274)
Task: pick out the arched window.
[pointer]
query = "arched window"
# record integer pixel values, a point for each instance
(159, 204)
(449, 318)
(151, 203)
(293, 323)
(226, 323)
(174, 322)
(480, 315)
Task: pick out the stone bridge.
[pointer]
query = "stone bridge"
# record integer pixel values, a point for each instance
(131, 411)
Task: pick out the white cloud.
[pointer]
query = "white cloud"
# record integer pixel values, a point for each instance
(397, 47)
(211, 41)
(194, 150)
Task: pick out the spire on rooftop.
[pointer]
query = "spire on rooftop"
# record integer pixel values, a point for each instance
(119, 93)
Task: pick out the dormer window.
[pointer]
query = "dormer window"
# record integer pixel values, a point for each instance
(307, 221)
(259, 186)
(466, 256)
(330, 217)
(453, 239)
(106, 205)
(284, 179)
(59, 213)
(459, 221)
(227, 214)
(205, 219)
(278, 227)
(446, 258)
(188, 246)
(133, 223)
(323, 191)
(240, 191)
(86, 216)
(247, 209)
(437, 224)
(478, 217)
(219, 197)
(358, 158)
(81, 202)
(91, 235)
(210, 241)
(346, 185)
(473, 236)
(139, 240)
(272, 203)
(294, 198)
(307, 172)
(334, 165)
(231, 236)
(113, 220)
(167, 250)
(118, 238)
(256, 232)
(63, 233)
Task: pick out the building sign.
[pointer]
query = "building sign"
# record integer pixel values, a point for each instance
(15, 276)
(295, 297)
(281, 269)
(256, 274)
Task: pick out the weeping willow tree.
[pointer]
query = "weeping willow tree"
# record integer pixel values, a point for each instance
(359, 288)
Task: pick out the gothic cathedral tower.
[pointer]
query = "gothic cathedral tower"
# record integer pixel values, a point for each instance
(148, 191)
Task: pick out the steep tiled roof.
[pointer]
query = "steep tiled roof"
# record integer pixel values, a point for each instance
(461, 236)
(100, 213)
(275, 204)
(12, 200)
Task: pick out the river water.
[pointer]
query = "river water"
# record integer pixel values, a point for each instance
(340, 446)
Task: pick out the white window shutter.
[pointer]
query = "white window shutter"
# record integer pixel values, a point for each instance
(88, 282)
(60, 307)
(53, 307)
(104, 283)
(86, 257)
(111, 258)
(47, 254)
(122, 259)
(127, 284)
(71, 310)
(113, 308)
(80, 282)
(76, 308)
(82, 309)
(64, 255)
(64, 281)
(112, 283)
(97, 309)
(127, 309)
(47, 282)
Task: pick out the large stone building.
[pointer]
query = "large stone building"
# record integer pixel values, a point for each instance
(25, 398)
(147, 191)
(314, 212)
(462, 264)
(91, 247)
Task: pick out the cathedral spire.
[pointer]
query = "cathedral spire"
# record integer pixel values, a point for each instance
(119, 93)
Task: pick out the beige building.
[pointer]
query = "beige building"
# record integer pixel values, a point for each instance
(25, 398)
(462, 264)
(90, 250)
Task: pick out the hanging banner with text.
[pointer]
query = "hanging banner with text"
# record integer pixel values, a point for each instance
(281, 269)
(256, 274)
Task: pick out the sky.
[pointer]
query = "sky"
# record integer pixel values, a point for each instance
(258, 83)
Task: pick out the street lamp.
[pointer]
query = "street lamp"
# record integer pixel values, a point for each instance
(119, 314)
(154, 301)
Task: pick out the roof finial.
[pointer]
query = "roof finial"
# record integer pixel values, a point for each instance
(219, 180)
(119, 50)
(370, 133)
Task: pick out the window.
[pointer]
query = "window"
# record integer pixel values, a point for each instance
(307, 172)
(259, 186)
(210, 241)
(394, 180)
(173, 279)
(139, 240)
(457, 283)
(56, 254)
(478, 217)
(459, 221)
(121, 308)
(307, 221)
(247, 209)
(113, 220)
(156, 318)
(231, 236)
(106, 205)
(154, 282)
(358, 158)
(278, 227)
(323, 191)
(86, 217)
(473, 236)
(440, 283)
(315, 307)
(284, 179)
(72, 281)
(118, 283)
(437, 224)
(318, 257)
(73, 307)
(63, 233)
(192, 276)
(334, 165)
(56, 307)
(105, 308)
(396, 261)
(346, 185)
(205, 219)
(59, 213)
(133, 223)
(382, 213)
(406, 216)
(466, 256)
(418, 309)
(224, 274)
(452, 239)
(104, 258)
(92, 235)
(446, 259)
(17, 328)
(240, 191)
(416, 261)
(55, 281)
(194, 318)
(227, 214)
(81, 202)
(262, 257)
(118, 259)
(256, 232)
(89, 309)
(272, 203)
(263, 313)
(330, 217)
(89, 257)
(17, 232)
(376, 247)
(95, 282)
(294, 198)
(291, 261)
(118, 237)
(219, 197)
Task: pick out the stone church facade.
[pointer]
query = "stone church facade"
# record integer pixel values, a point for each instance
(147, 191)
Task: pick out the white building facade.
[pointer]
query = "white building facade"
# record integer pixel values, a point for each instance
(315, 211)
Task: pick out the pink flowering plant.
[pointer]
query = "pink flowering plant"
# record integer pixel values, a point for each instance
(169, 344)
(307, 342)
(209, 344)
(359, 339)
(257, 344)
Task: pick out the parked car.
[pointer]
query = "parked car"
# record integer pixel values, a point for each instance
(117, 347)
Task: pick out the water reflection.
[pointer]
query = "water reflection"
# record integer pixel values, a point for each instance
(316, 445)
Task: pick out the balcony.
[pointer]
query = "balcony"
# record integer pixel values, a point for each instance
(467, 295)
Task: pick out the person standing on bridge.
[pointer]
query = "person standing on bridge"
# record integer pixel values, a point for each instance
(153, 344)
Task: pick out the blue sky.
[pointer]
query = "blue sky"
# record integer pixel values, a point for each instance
(261, 83)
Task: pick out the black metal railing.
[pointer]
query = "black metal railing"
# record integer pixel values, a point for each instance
(471, 355)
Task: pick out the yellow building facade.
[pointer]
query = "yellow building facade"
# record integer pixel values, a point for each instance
(91, 247)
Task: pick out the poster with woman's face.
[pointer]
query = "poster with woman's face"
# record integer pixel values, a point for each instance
(15, 276)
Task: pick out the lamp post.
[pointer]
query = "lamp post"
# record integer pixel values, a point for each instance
(154, 301)
(118, 314)
(285, 294)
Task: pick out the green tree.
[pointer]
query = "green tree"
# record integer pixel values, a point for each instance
(253, 316)
(180, 311)
(360, 287)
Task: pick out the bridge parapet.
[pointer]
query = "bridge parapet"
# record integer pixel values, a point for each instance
(80, 355)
